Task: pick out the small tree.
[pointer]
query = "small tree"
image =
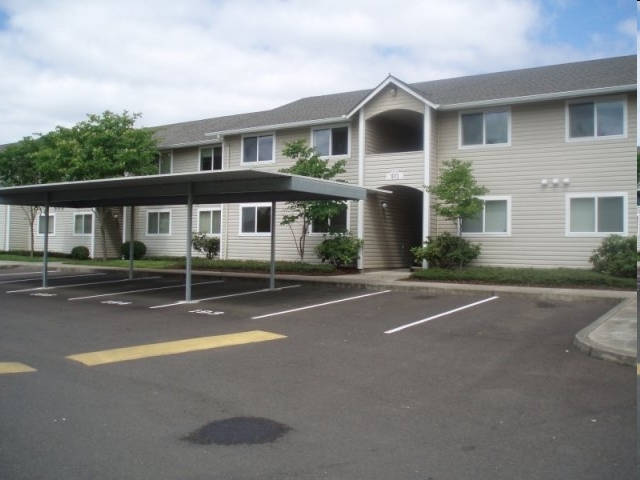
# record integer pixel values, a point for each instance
(457, 193)
(309, 164)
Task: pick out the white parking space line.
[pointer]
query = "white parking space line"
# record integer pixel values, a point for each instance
(240, 294)
(63, 276)
(77, 285)
(319, 305)
(28, 273)
(142, 290)
(424, 320)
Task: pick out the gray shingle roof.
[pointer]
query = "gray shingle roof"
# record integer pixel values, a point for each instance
(539, 81)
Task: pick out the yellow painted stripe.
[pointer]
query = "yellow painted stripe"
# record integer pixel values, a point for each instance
(171, 348)
(15, 367)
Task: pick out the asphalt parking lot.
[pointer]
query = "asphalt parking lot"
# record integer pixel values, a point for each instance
(103, 377)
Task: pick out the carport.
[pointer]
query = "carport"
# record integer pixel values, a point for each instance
(230, 186)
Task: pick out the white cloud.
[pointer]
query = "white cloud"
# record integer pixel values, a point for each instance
(176, 61)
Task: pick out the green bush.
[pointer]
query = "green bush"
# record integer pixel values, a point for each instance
(446, 251)
(139, 250)
(80, 253)
(203, 243)
(339, 250)
(616, 256)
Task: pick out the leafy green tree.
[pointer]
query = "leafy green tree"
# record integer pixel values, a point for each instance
(457, 193)
(102, 146)
(309, 164)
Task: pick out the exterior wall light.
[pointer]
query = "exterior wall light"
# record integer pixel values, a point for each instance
(384, 205)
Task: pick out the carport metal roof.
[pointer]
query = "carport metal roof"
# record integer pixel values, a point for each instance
(228, 186)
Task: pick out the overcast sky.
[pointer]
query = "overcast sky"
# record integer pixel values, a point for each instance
(180, 60)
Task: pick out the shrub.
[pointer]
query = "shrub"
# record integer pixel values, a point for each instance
(203, 243)
(80, 253)
(139, 250)
(339, 250)
(446, 251)
(616, 256)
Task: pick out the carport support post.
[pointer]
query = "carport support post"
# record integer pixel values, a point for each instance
(272, 269)
(45, 254)
(187, 297)
(131, 243)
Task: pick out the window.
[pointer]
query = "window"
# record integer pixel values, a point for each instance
(337, 223)
(596, 214)
(596, 119)
(331, 141)
(165, 163)
(42, 227)
(484, 128)
(159, 222)
(255, 219)
(495, 218)
(83, 224)
(210, 221)
(258, 149)
(211, 158)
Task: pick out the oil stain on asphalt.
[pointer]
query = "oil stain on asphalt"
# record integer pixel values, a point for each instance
(238, 431)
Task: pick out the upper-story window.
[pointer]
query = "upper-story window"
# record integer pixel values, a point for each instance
(595, 119)
(260, 148)
(331, 141)
(210, 158)
(165, 162)
(489, 127)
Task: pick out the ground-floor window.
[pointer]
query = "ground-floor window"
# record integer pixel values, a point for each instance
(159, 222)
(495, 217)
(255, 219)
(210, 221)
(596, 213)
(336, 224)
(83, 224)
(42, 224)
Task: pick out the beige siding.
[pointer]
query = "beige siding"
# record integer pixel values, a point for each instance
(386, 101)
(539, 151)
(386, 169)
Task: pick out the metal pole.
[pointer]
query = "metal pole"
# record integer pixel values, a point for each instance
(45, 254)
(189, 239)
(131, 239)
(272, 269)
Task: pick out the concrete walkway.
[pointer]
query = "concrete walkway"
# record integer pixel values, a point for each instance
(612, 337)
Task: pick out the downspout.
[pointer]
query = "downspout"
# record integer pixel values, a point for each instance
(361, 150)
(272, 267)
(189, 241)
(426, 201)
(7, 238)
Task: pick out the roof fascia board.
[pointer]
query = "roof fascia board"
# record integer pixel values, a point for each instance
(278, 126)
(540, 97)
(403, 86)
(194, 143)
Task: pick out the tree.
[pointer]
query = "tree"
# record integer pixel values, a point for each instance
(309, 164)
(103, 146)
(457, 193)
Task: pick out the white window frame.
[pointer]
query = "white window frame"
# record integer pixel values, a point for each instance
(52, 224)
(210, 209)
(330, 128)
(258, 136)
(484, 143)
(256, 206)
(158, 212)
(165, 152)
(82, 214)
(596, 195)
(489, 198)
(595, 136)
(348, 226)
(212, 148)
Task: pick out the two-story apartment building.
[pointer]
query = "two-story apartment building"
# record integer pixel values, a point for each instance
(554, 145)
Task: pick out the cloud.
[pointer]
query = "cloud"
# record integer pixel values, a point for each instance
(176, 61)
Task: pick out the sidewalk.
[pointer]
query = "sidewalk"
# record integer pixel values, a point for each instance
(612, 337)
